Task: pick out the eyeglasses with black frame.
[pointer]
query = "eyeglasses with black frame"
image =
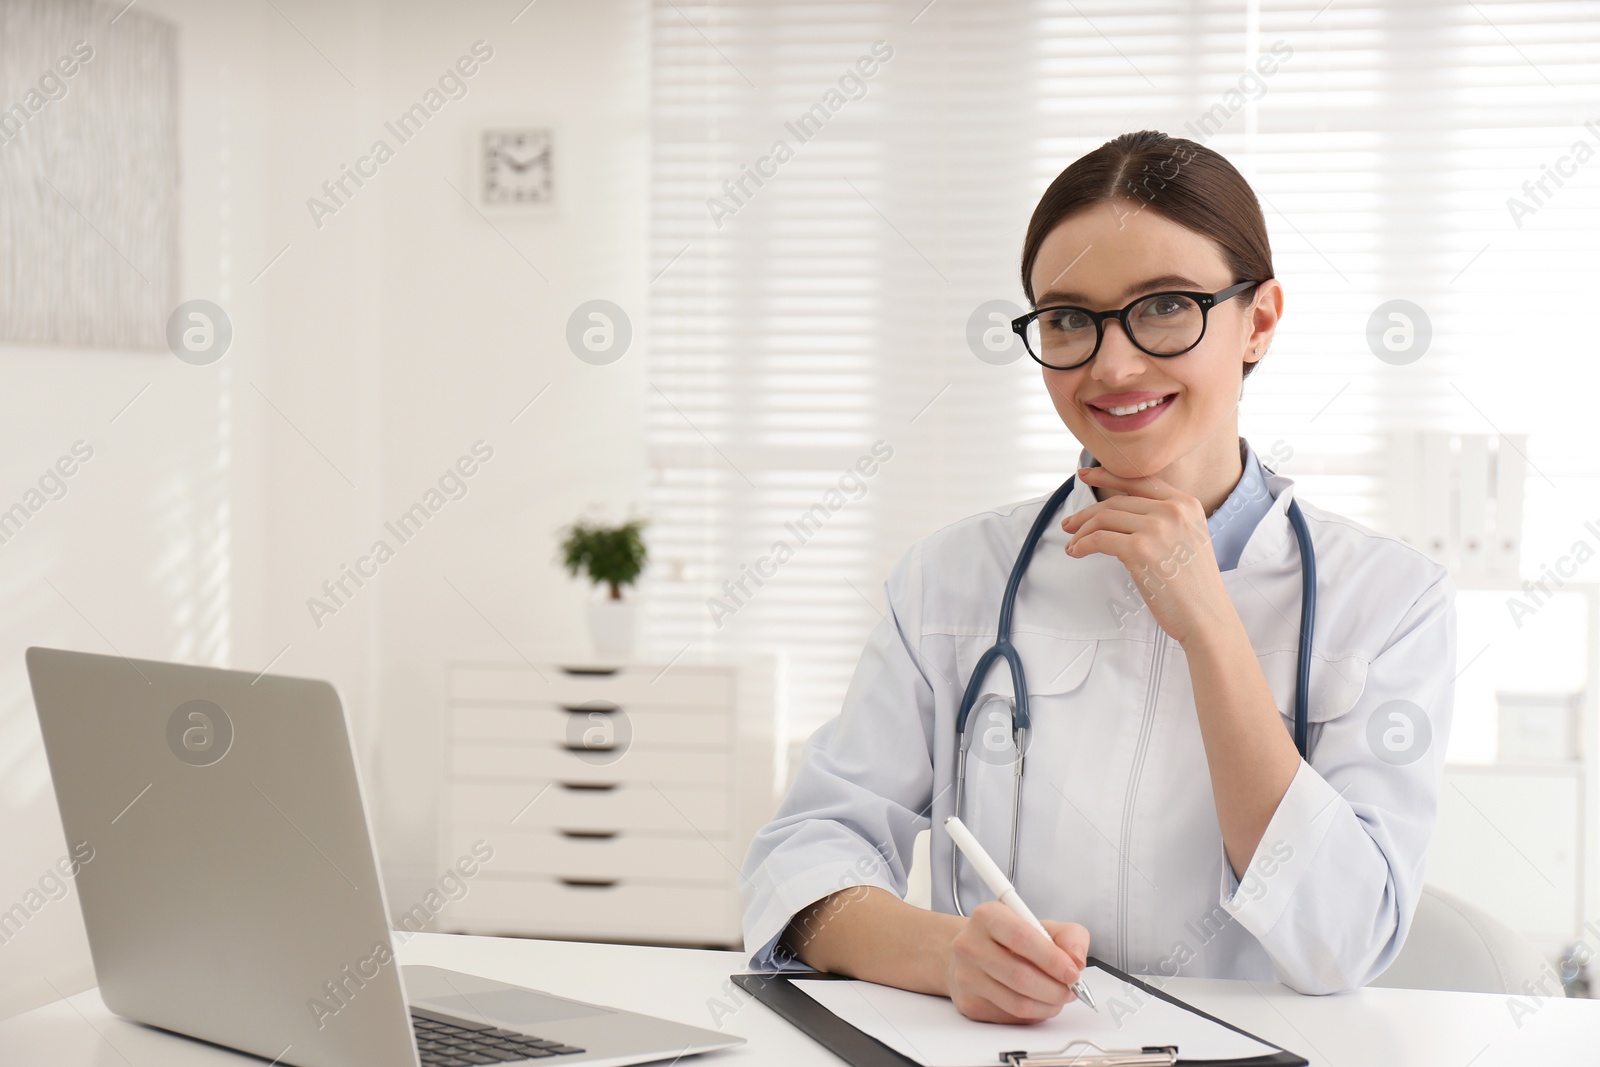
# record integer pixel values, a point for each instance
(1062, 337)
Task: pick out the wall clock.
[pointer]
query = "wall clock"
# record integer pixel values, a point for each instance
(516, 167)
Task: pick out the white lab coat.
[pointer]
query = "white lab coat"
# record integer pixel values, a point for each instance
(1119, 826)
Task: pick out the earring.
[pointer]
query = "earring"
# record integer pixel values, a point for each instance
(1256, 351)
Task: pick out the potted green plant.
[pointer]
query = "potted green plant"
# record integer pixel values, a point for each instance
(612, 557)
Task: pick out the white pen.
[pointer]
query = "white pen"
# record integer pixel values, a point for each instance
(1003, 890)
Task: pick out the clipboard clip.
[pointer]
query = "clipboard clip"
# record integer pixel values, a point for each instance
(1089, 1054)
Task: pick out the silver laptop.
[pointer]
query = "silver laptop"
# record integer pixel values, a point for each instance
(230, 889)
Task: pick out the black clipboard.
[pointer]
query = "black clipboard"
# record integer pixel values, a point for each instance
(863, 1050)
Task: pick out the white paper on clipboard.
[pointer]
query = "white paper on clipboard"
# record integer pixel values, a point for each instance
(929, 1029)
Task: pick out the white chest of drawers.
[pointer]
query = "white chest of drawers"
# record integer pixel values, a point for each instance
(619, 801)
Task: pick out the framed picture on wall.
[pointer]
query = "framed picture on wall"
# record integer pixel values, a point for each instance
(88, 175)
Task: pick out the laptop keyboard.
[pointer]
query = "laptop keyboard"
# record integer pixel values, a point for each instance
(444, 1041)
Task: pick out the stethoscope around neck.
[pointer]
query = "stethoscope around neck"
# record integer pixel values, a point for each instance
(1003, 649)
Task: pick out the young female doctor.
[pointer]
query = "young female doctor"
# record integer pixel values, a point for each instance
(1164, 807)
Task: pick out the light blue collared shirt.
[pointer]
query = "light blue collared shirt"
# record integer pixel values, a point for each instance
(1231, 524)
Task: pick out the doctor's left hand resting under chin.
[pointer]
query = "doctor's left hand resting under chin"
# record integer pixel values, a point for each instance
(1160, 535)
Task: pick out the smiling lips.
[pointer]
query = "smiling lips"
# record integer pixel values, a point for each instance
(1122, 412)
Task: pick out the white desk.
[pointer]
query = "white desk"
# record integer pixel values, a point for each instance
(1399, 1027)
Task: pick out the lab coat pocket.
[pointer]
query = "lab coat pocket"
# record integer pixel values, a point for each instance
(1335, 685)
(1051, 665)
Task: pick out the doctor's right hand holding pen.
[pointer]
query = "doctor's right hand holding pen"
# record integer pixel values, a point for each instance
(997, 935)
(993, 965)
(1002, 971)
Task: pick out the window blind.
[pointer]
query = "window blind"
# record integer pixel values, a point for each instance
(840, 190)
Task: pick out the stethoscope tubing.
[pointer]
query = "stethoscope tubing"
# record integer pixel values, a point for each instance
(1021, 721)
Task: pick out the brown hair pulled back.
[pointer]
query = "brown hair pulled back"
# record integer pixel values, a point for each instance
(1179, 179)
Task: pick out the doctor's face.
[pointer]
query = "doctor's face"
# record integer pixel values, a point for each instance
(1103, 258)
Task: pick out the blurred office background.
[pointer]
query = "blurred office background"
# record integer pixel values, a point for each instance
(1429, 178)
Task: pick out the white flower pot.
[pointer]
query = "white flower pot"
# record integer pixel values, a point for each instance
(613, 626)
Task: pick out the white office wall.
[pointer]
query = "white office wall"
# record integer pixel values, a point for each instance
(474, 321)
(146, 553)
(375, 351)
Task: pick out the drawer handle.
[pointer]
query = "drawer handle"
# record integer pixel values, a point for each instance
(598, 787)
(591, 672)
(589, 835)
(599, 707)
(589, 883)
(579, 747)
